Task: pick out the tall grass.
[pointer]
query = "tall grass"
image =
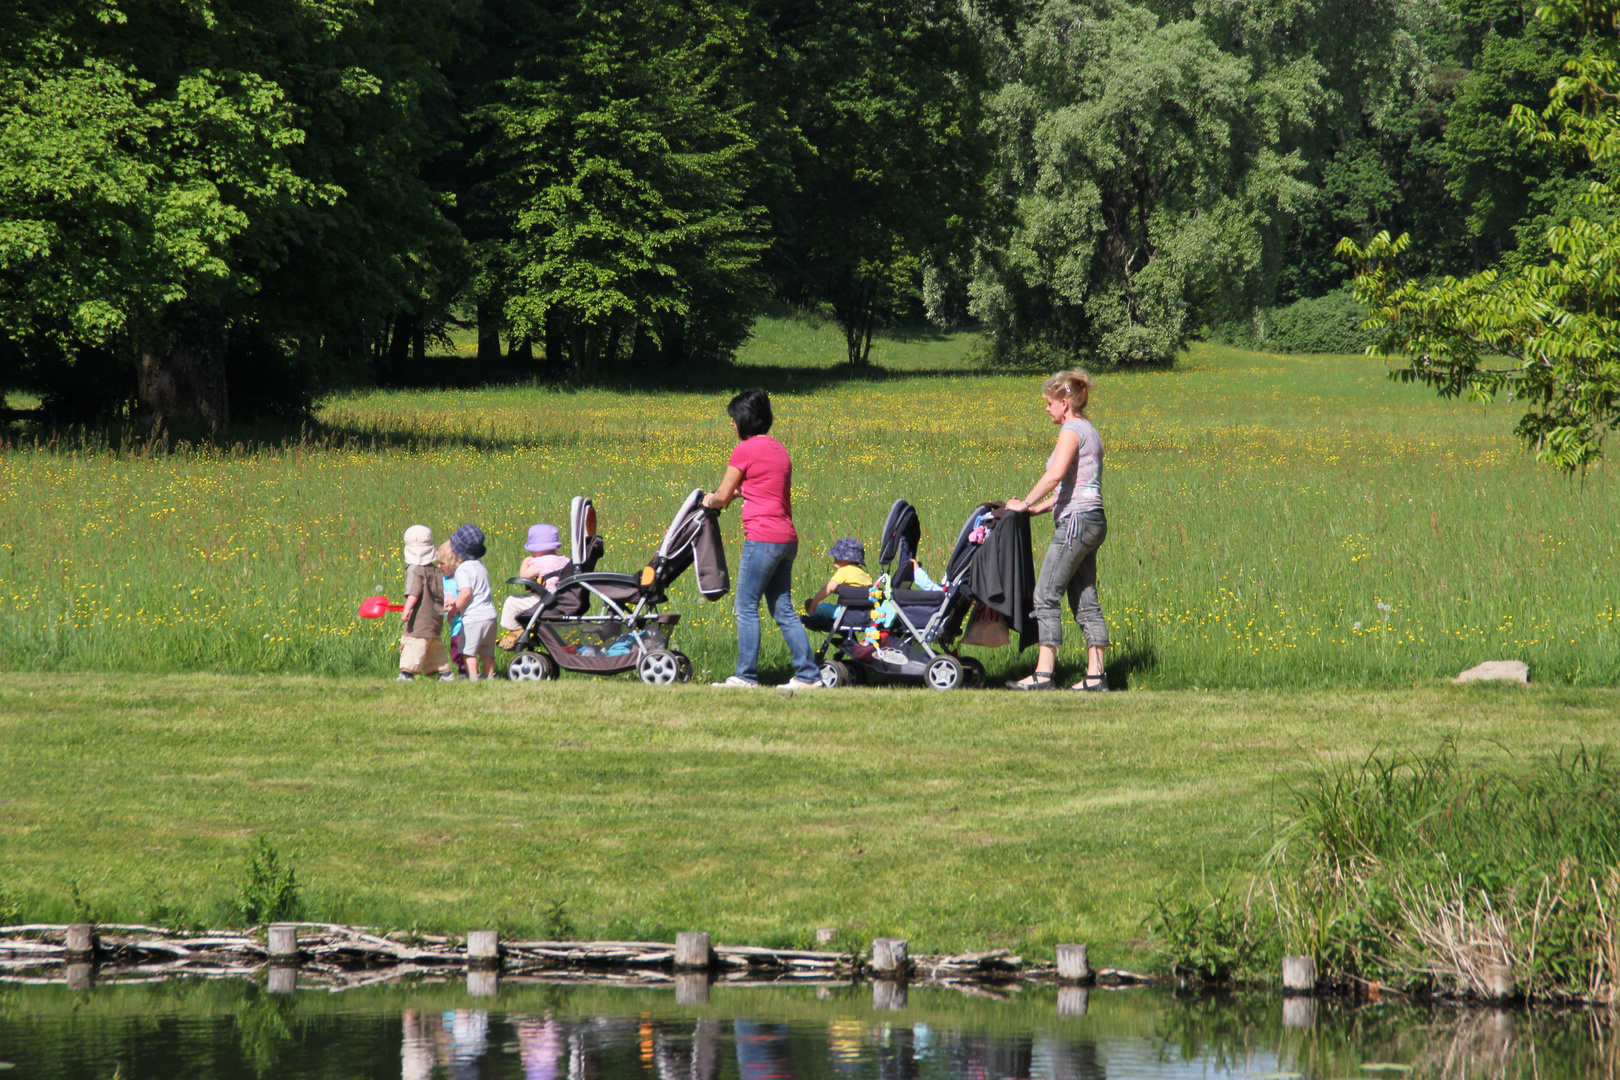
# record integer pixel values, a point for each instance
(1275, 521)
(1417, 869)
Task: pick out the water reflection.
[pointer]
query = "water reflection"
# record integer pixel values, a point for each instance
(433, 1032)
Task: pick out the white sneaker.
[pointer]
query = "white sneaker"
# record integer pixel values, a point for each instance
(734, 683)
(795, 684)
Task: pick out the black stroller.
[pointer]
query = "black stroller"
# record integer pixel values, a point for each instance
(895, 629)
(626, 631)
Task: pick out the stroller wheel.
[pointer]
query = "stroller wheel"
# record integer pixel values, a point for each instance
(660, 667)
(944, 673)
(835, 673)
(529, 666)
(685, 663)
(972, 673)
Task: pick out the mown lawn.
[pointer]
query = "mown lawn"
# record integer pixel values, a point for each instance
(956, 821)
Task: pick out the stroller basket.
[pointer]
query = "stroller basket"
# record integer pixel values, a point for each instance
(603, 645)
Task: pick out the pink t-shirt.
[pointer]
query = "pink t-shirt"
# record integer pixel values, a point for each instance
(543, 568)
(767, 490)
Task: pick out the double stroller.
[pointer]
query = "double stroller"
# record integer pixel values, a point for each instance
(601, 623)
(896, 629)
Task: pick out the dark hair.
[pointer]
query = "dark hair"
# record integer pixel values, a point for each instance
(752, 411)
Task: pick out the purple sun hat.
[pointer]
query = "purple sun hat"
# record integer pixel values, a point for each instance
(542, 538)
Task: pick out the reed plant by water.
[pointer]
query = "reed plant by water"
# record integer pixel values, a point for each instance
(1421, 871)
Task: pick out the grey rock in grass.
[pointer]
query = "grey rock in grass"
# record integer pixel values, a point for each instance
(1497, 671)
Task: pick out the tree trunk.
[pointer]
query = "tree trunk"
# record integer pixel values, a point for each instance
(181, 375)
(489, 332)
(576, 350)
(554, 342)
(399, 343)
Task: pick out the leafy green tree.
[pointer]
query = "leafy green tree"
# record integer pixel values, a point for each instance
(178, 181)
(879, 161)
(1546, 335)
(620, 162)
(1492, 169)
(1149, 177)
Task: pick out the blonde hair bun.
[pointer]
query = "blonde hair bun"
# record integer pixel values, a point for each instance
(1073, 385)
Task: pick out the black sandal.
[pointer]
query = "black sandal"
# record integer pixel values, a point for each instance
(1040, 680)
(1092, 683)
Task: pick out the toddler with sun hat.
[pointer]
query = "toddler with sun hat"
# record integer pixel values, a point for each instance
(421, 648)
(544, 564)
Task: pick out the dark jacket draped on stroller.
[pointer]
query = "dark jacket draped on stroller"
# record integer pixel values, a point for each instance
(896, 629)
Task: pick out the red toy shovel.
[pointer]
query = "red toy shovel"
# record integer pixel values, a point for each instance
(375, 607)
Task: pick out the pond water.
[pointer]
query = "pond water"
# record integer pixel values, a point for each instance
(533, 1031)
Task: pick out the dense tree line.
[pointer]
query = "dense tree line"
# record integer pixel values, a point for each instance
(209, 211)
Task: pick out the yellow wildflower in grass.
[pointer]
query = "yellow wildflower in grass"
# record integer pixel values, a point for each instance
(1274, 520)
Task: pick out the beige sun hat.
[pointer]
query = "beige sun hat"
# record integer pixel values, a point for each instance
(418, 546)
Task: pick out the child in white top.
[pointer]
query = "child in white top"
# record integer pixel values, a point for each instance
(473, 602)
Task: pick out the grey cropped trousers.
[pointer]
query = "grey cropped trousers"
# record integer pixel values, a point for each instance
(1070, 568)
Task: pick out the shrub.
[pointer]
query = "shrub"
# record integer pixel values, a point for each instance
(269, 889)
(1420, 871)
(1321, 324)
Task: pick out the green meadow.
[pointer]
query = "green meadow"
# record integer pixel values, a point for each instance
(1301, 553)
(1275, 521)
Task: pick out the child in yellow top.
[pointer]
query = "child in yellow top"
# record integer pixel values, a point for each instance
(849, 568)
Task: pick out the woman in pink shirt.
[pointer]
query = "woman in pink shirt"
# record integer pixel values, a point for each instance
(761, 472)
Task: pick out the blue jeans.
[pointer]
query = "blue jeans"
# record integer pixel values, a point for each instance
(766, 570)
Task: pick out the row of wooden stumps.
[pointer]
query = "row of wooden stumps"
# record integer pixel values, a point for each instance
(694, 962)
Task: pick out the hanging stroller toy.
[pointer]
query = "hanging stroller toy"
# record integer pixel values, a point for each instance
(895, 629)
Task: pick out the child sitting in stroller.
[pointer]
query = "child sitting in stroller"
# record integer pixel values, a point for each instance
(546, 565)
(849, 568)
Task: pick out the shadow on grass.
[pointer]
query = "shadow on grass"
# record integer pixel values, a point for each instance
(1137, 660)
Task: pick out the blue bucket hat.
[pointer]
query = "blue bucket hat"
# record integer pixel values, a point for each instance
(848, 549)
(468, 542)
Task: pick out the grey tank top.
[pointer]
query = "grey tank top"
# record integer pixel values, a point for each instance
(1081, 488)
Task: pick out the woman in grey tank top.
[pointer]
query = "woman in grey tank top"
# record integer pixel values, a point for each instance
(1071, 488)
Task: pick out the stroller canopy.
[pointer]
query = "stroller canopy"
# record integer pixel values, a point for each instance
(586, 546)
(902, 532)
(693, 534)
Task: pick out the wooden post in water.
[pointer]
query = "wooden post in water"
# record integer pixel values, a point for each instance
(484, 948)
(1073, 1001)
(80, 976)
(483, 981)
(692, 950)
(691, 988)
(1497, 982)
(1073, 966)
(81, 941)
(283, 979)
(888, 994)
(284, 942)
(889, 958)
(1299, 1011)
(1299, 974)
